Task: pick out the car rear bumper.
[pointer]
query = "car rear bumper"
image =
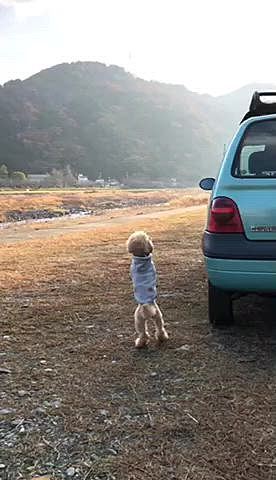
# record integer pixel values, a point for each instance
(242, 275)
(237, 247)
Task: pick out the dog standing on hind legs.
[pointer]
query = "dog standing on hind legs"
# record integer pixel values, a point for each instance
(143, 273)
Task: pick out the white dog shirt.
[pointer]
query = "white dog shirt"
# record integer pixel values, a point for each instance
(144, 277)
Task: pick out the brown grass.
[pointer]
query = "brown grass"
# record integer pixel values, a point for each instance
(189, 200)
(100, 199)
(38, 260)
(93, 402)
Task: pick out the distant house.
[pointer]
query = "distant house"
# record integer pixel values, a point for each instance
(173, 182)
(83, 180)
(99, 182)
(112, 182)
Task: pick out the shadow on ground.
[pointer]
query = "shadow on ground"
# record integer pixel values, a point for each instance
(252, 339)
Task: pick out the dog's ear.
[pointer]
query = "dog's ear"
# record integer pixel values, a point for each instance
(131, 244)
(130, 247)
(149, 246)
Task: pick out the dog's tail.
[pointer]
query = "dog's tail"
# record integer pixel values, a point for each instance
(149, 309)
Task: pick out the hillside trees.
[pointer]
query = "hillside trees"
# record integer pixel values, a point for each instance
(102, 119)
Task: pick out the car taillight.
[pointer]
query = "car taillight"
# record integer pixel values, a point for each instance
(224, 217)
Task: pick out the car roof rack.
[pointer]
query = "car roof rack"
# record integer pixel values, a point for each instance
(257, 107)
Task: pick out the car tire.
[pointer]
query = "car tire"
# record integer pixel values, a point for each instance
(220, 306)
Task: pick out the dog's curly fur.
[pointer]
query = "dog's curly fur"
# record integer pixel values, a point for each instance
(140, 244)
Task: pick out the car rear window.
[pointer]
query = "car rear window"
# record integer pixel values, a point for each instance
(256, 155)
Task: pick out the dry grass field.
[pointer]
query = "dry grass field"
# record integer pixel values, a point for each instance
(60, 201)
(78, 400)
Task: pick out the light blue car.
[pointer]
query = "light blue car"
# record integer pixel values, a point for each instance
(239, 243)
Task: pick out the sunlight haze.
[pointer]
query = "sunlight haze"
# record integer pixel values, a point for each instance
(208, 46)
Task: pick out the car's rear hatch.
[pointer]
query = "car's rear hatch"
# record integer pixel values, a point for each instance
(253, 185)
(256, 201)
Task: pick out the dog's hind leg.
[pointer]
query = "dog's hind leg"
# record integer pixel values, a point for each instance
(141, 328)
(161, 333)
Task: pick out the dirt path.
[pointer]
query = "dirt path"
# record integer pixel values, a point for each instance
(33, 231)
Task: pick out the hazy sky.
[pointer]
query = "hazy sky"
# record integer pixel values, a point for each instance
(211, 46)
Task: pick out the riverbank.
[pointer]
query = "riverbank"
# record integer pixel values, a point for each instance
(30, 206)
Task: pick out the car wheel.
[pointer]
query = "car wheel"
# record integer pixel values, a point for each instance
(220, 306)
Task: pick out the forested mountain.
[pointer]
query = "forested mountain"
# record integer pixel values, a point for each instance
(99, 118)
